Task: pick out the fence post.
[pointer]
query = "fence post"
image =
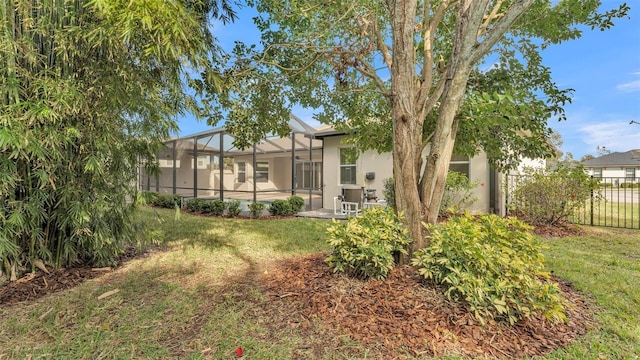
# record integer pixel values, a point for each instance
(591, 200)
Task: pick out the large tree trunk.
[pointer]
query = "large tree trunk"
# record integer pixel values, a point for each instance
(407, 126)
(432, 183)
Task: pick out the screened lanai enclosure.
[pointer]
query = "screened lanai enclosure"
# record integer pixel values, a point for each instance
(207, 165)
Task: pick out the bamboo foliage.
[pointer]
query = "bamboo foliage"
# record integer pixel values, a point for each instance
(87, 89)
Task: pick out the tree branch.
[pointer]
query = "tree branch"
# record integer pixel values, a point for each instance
(380, 44)
(424, 91)
(489, 18)
(493, 35)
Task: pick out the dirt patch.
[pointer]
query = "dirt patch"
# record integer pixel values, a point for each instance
(405, 315)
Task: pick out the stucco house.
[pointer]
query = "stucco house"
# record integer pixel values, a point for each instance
(313, 163)
(209, 165)
(623, 167)
(369, 170)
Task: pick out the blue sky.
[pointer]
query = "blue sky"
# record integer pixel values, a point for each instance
(602, 67)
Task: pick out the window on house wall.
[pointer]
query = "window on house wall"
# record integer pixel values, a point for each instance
(242, 172)
(597, 172)
(167, 163)
(262, 171)
(460, 163)
(630, 174)
(348, 158)
(204, 162)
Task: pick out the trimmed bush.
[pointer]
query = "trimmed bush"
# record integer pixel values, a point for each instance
(215, 207)
(195, 204)
(365, 246)
(296, 202)
(169, 201)
(280, 208)
(233, 208)
(256, 209)
(493, 264)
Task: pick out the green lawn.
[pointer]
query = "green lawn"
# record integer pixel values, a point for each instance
(610, 214)
(191, 299)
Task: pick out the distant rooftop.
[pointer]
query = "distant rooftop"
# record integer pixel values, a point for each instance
(631, 157)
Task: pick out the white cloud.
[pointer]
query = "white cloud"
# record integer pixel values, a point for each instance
(631, 86)
(616, 136)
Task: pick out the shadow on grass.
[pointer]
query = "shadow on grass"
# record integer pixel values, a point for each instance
(291, 235)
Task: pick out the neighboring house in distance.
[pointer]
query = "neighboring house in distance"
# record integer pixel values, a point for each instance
(622, 165)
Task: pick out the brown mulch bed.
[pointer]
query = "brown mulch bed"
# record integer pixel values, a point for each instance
(558, 231)
(33, 286)
(403, 314)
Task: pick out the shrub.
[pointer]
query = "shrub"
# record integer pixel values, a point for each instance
(147, 197)
(389, 192)
(215, 207)
(543, 197)
(169, 201)
(195, 204)
(280, 207)
(458, 193)
(495, 265)
(296, 202)
(255, 209)
(365, 246)
(630, 185)
(233, 208)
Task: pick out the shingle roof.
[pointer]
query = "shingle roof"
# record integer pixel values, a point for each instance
(616, 158)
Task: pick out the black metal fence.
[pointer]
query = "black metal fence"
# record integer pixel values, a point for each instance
(613, 202)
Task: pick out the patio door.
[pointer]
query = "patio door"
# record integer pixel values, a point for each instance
(308, 175)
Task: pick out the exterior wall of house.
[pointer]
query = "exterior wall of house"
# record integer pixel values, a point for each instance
(615, 171)
(531, 163)
(369, 161)
(382, 166)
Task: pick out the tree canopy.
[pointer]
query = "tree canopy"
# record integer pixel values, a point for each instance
(88, 89)
(407, 76)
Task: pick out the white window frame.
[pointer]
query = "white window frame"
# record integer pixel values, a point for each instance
(597, 173)
(466, 162)
(259, 173)
(630, 174)
(342, 166)
(202, 162)
(242, 172)
(168, 163)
